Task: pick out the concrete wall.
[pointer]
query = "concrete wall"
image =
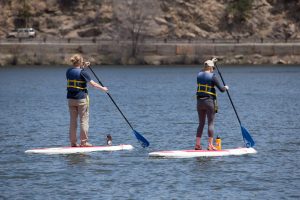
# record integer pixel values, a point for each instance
(150, 53)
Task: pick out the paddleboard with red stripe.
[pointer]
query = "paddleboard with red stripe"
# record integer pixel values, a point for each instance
(72, 150)
(202, 153)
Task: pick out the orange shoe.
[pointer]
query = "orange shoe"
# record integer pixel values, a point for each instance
(198, 147)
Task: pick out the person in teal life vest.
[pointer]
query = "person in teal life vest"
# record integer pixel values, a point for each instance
(78, 99)
(206, 102)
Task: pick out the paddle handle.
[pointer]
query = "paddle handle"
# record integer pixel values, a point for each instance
(228, 95)
(111, 98)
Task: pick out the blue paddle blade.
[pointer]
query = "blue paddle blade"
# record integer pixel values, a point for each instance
(249, 142)
(141, 139)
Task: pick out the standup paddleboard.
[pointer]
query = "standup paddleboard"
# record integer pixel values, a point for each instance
(202, 153)
(72, 150)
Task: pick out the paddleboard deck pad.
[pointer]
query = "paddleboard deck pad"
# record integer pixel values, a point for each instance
(73, 150)
(202, 153)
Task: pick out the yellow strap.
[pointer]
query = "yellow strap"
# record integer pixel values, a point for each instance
(74, 86)
(207, 87)
(71, 86)
(207, 92)
(204, 85)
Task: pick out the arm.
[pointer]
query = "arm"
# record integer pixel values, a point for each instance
(217, 83)
(88, 79)
(96, 85)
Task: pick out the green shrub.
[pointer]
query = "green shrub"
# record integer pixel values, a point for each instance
(67, 4)
(239, 9)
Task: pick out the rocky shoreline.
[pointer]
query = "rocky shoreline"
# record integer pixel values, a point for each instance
(171, 19)
(107, 22)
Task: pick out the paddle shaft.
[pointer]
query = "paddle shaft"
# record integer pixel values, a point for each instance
(111, 98)
(228, 95)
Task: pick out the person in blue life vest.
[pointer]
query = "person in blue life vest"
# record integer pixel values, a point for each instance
(78, 99)
(206, 102)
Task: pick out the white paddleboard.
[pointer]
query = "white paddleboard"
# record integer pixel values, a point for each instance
(72, 150)
(202, 153)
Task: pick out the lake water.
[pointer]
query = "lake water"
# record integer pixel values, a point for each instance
(160, 103)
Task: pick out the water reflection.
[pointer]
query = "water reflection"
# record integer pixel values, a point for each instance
(78, 159)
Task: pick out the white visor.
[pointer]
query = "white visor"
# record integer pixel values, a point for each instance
(209, 63)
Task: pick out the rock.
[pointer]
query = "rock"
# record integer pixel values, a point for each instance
(91, 32)
(106, 11)
(189, 35)
(219, 58)
(194, 28)
(239, 57)
(281, 62)
(71, 34)
(152, 60)
(257, 56)
(7, 59)
(160, 21)
(132, 61)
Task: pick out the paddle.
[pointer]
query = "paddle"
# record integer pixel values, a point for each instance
(249, 142)
(138, 136)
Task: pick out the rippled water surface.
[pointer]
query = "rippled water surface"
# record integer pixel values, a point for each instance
(161, 105)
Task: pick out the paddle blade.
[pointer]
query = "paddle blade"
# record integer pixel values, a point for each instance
(141, 139)
(249, 142)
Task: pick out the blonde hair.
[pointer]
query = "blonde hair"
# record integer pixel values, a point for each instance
(76, 59)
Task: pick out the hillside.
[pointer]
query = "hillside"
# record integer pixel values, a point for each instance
(176, 19)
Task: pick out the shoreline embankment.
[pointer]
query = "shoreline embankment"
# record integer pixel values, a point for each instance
(43, 52)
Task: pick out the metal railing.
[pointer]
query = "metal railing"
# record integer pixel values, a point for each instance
(145, 41)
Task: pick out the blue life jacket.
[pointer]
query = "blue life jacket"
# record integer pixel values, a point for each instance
(205, 85)
(75, 81)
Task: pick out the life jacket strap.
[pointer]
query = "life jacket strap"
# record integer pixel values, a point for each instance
(206, 89)
(76, 84)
